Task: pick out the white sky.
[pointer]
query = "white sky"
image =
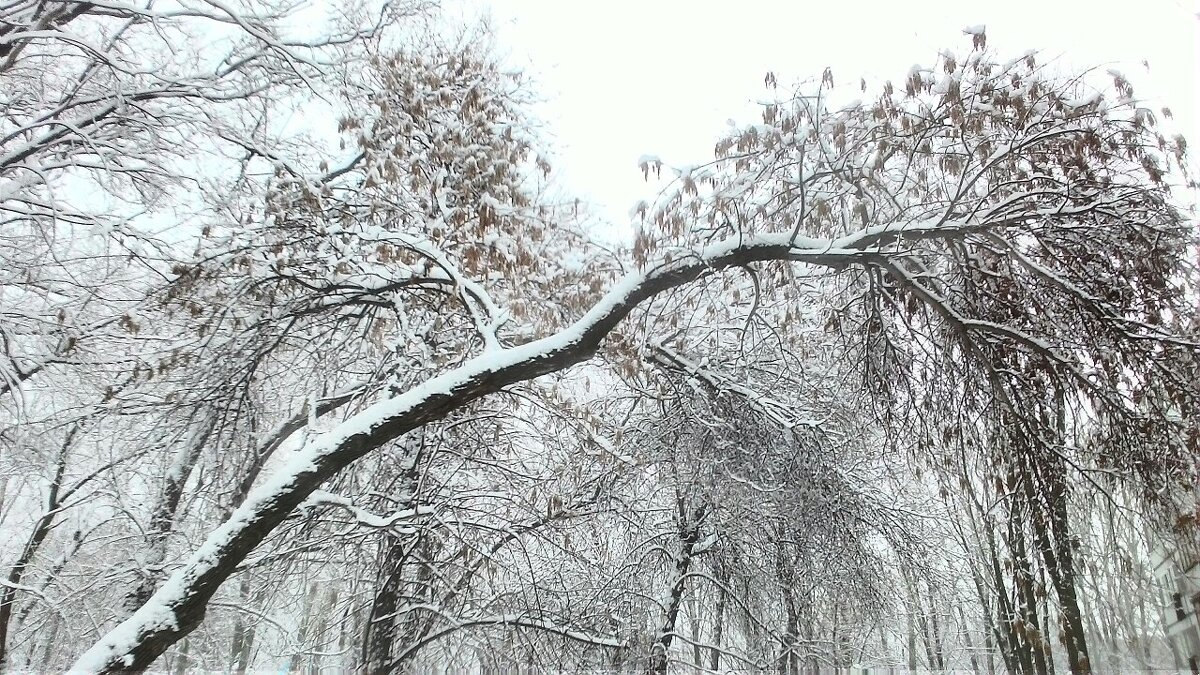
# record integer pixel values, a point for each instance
(625, 78)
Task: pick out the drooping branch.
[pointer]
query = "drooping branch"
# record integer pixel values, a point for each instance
(776, 411)
(179, 606)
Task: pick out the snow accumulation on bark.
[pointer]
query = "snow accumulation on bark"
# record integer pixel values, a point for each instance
(178, 606)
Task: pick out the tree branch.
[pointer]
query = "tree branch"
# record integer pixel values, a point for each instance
(178, 607)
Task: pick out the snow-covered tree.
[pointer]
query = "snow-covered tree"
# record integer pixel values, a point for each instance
(263, 352)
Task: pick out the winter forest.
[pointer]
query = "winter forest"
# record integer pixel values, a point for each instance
(309, 364)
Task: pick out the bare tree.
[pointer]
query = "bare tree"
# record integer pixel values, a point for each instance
(984, 220)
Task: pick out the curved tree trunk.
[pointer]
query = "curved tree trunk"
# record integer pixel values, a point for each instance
(180, 604)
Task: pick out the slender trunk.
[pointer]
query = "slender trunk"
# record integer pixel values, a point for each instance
(1046, 502)
(1016, 658)
(351, 625)
(418, 625)
(327, 609)
(380, 638)
(310, 602)
(1031, 632)
(1106, 629)
(714, 663)
(689, 536)
(694, 621)
(41, 530)
(1062, 573)
(1017, 619)
(966, 631)
(998, 618)
(244, 644)
(926, 624)
(385, 630)
(8, 595)
(51, 641)
(243, 635)
(912, 643)
(936, 639)
(162, 518)
(926, 640)
(789, 660)
(1143, 630)
(1052, 536)
(750, 628)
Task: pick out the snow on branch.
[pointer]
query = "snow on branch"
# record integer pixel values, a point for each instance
(178, 606)
(513, 621)
(367, 518)
(777, 411)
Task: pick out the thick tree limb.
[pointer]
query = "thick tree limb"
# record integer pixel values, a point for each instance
(179, 606)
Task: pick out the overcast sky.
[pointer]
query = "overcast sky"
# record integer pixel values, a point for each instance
(624, 78)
